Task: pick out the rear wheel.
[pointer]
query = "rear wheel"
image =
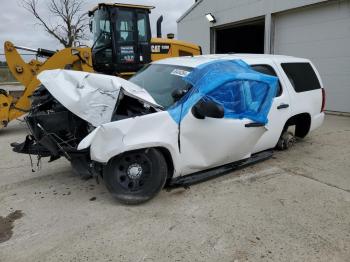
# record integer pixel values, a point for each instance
(136, 177)
(286, 140)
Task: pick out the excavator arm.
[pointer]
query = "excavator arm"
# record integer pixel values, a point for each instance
(13, 106)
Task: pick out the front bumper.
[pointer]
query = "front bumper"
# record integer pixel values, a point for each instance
(31, 147)
(51, 135)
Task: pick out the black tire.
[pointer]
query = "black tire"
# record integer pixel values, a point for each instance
(136, 177)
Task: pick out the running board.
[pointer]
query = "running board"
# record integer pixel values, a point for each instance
(192, 179)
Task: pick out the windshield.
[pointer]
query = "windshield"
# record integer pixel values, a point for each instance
(161, 80)
(101, 29)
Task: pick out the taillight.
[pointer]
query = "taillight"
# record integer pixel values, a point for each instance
(323, 100)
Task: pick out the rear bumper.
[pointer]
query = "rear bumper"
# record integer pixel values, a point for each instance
(317, 121)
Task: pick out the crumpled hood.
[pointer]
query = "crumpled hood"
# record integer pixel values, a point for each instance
(90, 96)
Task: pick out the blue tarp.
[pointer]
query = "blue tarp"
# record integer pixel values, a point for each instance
(243, 92)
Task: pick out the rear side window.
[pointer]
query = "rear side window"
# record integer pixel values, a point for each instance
(302, 76)
(268, 70)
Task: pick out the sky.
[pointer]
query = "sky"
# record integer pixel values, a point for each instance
(20, 27)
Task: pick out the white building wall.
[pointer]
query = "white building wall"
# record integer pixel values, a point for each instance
(194, 27)
(318, 30)
(322, 34)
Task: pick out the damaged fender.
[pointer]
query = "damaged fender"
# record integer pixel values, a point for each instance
(149, 131)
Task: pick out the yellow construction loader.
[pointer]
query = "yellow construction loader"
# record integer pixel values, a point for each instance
(122, 45)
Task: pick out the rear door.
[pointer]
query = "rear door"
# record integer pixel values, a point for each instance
(280, 110)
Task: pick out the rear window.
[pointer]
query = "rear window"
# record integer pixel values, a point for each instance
(302, 76)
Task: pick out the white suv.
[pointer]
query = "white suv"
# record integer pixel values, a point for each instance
(165, 127)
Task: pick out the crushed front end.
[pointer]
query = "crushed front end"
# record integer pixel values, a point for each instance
(55, 132)
(69, 105)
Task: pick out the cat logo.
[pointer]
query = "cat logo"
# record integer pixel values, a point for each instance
(160, 49)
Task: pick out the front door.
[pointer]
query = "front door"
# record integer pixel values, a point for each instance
(207, 143)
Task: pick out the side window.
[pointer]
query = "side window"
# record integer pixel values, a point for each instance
(239, 97)
(105, 26)
(268, 70)
(302, 76)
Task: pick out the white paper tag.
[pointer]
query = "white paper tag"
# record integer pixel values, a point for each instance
(180, 72)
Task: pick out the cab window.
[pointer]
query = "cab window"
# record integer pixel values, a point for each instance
(142, 27)
(125, 26)
(101, 30)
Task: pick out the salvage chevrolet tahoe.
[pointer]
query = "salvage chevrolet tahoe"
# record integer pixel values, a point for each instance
(176, 122)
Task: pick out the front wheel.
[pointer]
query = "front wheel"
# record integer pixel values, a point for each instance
(136, 177)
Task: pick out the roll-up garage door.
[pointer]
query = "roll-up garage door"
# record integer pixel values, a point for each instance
(322, 34)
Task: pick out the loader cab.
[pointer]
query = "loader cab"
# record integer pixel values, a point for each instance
(122, 38)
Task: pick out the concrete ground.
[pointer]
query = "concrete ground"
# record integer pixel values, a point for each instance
(294, 207)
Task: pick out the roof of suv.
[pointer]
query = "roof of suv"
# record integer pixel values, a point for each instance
(248, 58)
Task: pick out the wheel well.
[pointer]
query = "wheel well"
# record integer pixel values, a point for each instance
(302, 123)
(168, 159)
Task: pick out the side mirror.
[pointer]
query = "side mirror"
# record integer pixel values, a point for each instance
(207, 108)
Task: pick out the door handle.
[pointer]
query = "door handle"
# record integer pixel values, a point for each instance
(254, 124)
(282, 106)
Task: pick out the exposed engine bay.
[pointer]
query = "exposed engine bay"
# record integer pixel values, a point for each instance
(56, 131)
